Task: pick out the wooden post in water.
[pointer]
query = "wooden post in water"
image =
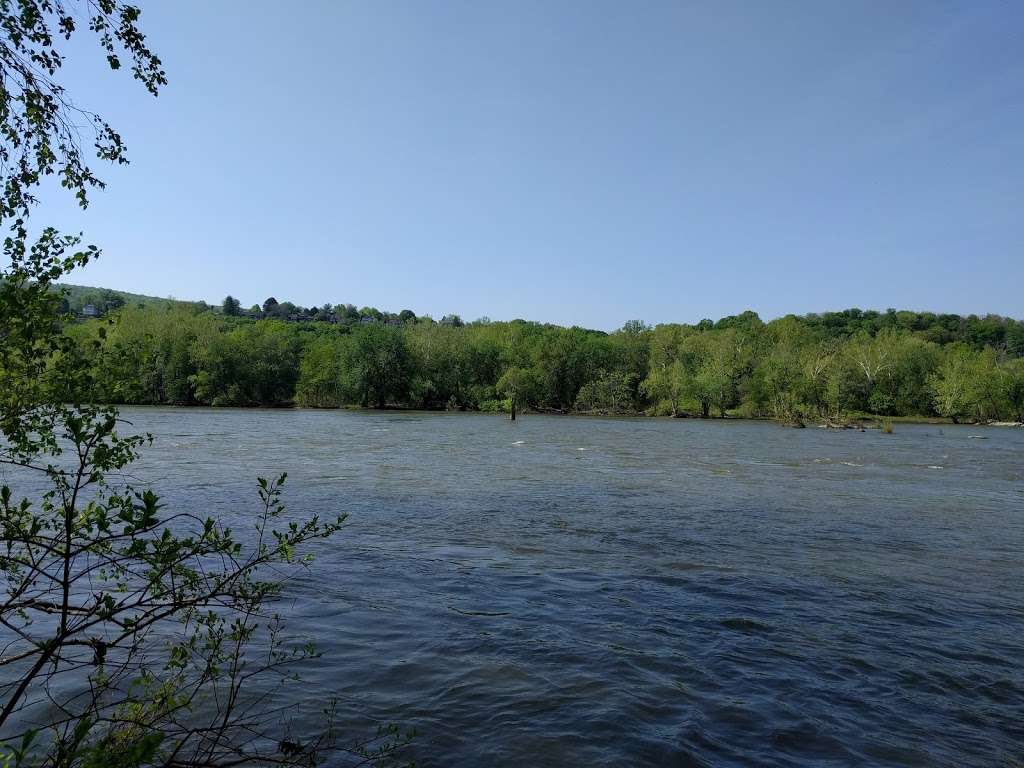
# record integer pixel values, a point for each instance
(512, 409)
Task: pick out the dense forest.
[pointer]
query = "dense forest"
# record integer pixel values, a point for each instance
(821, 367)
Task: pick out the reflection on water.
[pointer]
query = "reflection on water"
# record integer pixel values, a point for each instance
(607, 592)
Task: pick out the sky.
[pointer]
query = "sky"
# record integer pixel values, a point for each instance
(577, 162)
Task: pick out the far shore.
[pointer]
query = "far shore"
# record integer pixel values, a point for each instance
(857, 421)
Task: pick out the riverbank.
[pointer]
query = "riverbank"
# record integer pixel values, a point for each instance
(852, 421)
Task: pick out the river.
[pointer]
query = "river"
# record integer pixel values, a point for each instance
(608, 592)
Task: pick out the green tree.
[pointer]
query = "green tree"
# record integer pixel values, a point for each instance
(779, 383)
(442, 361)
(1012, 381)
(144, 354)
(631, 349)
(231, 306)
(893, 367)
(520, 387)
(256, 364)
(377, 366)
(321, 382)
(956, 385)
(666, 380)
(825, 378)
(713, 362)
(612, 391)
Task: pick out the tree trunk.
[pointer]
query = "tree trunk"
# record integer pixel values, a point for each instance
(512, 409)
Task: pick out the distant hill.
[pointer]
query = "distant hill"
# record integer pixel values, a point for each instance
(107, 299)
(977, 331)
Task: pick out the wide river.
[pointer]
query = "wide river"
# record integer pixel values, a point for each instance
(623, 592)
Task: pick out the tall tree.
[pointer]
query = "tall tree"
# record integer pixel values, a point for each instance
(378, 365)
(954, 384)
(231, 306)
(666, 378)
(1012, 380)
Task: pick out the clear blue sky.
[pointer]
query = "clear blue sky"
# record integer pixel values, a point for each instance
(573, 162)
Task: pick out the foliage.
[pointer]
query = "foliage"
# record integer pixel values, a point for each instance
(611, 391)
(254, 364)
(40, 125)
(1012, 380)
(95, 573)
(787, 369)
(968, 385)
(377, 366)
(231, 306)
(321, 381)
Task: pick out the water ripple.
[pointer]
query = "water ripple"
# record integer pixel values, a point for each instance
(679, 593)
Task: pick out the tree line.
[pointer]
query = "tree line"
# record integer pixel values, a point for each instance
(829, 366)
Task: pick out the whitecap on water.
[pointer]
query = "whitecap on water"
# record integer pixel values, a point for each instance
(518, 442)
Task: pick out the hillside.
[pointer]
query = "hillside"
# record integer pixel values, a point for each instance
(978, 331)
(107, 299)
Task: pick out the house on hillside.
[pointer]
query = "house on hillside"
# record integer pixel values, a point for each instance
(90, 310)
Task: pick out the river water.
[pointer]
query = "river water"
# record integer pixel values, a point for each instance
(610, 592)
